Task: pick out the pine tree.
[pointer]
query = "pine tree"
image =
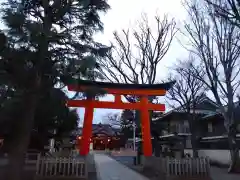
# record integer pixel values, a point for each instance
(48, 43)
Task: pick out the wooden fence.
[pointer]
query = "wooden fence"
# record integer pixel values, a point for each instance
(178, 167)
(186, 166)
(61, 167)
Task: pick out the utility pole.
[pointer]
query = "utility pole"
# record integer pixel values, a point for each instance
(134, 132)
(134, 136)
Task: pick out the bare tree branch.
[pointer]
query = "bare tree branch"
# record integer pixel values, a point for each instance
(187, 92)
(113, 119)
(217, 46)
(136, 55)
(215, 42)
(229, 10)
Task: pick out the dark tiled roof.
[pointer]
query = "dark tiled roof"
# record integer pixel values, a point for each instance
(100, 129)
(236, 111)
(104, 129)
(210, 115)
(166, 86)
(200, 107)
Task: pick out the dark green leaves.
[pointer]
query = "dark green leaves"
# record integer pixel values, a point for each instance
(51, 40)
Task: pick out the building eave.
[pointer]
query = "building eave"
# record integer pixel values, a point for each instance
(217, 137)
(174, 135)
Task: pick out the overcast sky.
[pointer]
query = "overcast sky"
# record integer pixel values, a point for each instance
(123, 14)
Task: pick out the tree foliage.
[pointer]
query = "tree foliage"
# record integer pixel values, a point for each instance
(48, 42)
(57, 27)
(123, 121)
(52, 114)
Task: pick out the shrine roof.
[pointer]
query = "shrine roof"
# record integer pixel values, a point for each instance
(100, 129)
(104, 129)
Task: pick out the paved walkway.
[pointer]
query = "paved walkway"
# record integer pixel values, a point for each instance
(222, 174)
(109, 169)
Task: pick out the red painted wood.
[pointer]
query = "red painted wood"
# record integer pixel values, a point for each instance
(144, 106)
(140, 92)
(87, 128)
(118, 98)
(115, 105)
(146, 132)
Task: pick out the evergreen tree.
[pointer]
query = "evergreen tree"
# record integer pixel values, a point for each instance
(126, 124)
(51, 115)
(48, 43)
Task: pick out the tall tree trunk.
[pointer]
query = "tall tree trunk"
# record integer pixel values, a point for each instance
(22, 139)
(234, 150)
(235, 161)
(17, 154)
(192, 126)
(138, 125)
(155, 133)
(194, 145)
(157, 146)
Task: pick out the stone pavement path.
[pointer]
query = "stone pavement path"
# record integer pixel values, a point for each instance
(222, 174)
(109, 169)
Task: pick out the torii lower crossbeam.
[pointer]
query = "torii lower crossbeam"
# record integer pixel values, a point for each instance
(115, 105)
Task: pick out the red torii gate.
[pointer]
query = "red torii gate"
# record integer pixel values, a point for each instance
(117, 90)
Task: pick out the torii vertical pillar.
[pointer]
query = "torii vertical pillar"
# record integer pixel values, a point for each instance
(87, 128)
(146, 132)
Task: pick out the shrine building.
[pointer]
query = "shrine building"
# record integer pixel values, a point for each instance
(103, 137)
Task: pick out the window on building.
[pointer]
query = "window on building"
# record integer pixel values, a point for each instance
(238, 127)
(210, 127)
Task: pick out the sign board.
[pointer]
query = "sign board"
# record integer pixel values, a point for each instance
(91, 146)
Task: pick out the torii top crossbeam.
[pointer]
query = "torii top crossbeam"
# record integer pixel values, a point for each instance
(123, 89)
